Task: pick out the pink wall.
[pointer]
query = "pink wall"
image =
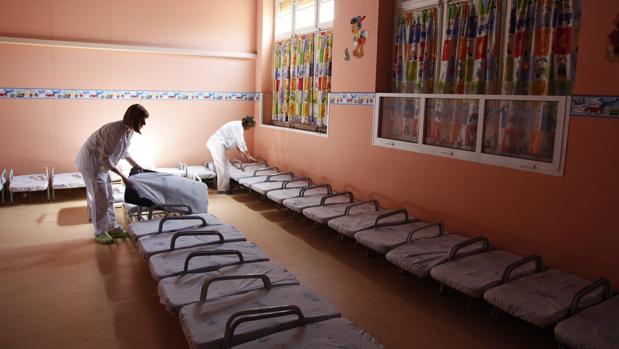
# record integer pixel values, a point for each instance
(50, 132)
(569, 220)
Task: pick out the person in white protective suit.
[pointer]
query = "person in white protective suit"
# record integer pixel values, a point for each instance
(99, 155)
(229, 136)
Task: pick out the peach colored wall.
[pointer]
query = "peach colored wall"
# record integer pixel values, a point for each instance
(50, 132)
(569, 220)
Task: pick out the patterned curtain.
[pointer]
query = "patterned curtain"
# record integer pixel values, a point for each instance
(415, 51)
(281, 80)
(301, 78)
(322, 79)
(471, 48)
(540, 52)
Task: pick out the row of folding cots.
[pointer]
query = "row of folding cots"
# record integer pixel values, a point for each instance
(520, 286)
(43, 182)
(227, 292)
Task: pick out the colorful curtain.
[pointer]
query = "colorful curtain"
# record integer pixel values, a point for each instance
(301, 78)
(540, 53)
(322, 78)
(415, 51)
(471, 48)
(281, 80)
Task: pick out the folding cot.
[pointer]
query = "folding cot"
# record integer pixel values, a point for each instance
(421, 255)
(69, 180)
(204, 258)
(29, 183)
(333, 333)
(2, 182)
(310, 198)
(211, 323)
(263, 188)
(278, 196)
(179, 170)
(249, 170)
(382, 238)
(542, 299)
(351, 223)
(204, 172)
(595, 327)
(475, 274)
(180, 290)
(328, 209)
(209, 235)
(172, 224)
(262, 176)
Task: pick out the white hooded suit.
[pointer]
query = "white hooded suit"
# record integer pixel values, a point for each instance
(228, 136)
(102, 152)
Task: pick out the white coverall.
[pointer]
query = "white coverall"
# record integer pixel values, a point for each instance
(228, 136)
(102, 152)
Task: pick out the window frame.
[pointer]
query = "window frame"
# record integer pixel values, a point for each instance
(316, 29)
(556, 167)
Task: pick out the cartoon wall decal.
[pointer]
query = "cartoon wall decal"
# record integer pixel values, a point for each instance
(346, 54)
(613, 42)
(359, 36)
(602, 106)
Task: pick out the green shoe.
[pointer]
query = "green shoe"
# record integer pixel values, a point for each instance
(104, 239)
(118, 233)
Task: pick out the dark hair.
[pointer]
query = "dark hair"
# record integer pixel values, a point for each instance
(248, 122)
(134, 115)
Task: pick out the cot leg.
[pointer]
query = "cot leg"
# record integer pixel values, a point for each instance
(368, 252)
(11, 196)
(495, 314)
(470, 302)
(441, 289)
(48, 197)
(279, 207)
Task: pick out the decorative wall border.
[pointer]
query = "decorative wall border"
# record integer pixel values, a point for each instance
(354, 98)
(47, 93)
(595, 106)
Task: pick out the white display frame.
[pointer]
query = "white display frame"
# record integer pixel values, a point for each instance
(556, 167)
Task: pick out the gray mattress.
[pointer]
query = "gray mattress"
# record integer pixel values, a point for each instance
(140, 229)
(242, 175)
(278, 196)
(474, 275)
(275, 184)
(262, 177)
(353, 223)
(419, 256)
(157, 243)
(322, 214)
(384, 239)
(204, 324)
(172, 262)
(180, 290)
(333, 333)
(596, 327)
(542, 298)
(298, 204)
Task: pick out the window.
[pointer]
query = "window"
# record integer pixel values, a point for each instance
(523, 132)
(283, 18)
(482, 80)
(301, 65)
(326, 10)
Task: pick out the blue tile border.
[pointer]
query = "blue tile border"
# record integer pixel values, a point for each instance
(47, 93)
(354, 98)
(595, 106)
